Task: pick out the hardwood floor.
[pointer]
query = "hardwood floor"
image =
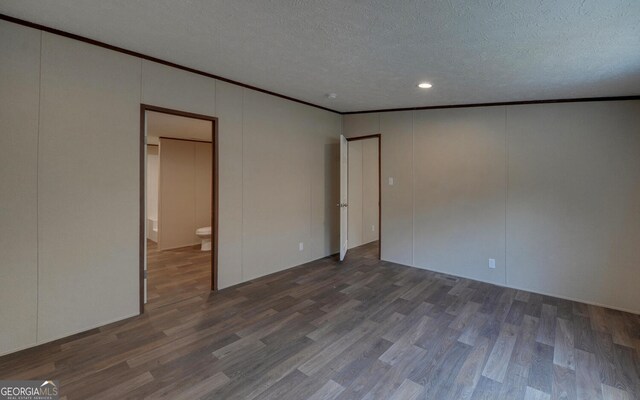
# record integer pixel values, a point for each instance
(176, 274)
(363, 329)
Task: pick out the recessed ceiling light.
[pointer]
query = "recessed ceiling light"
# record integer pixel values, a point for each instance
(424, 85)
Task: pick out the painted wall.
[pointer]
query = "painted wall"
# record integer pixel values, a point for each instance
(19, 97)
(70, 166)
(363, 192)
(550, 191)
(153, 168)
(185, 192)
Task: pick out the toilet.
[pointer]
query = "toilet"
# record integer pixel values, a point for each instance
(205, 235)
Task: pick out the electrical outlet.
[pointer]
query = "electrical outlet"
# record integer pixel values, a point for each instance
(492, 263)
(301, 246)
(390, 181)
(373, 228)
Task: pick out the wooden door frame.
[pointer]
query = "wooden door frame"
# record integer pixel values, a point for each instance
(214, 191)
(379, 137)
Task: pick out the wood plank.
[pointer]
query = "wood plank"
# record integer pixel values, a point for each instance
(203, 387)
(541, 368)
(408, 390)
(611, 393)
(547, 327)
(405, 343)
(599, 319)
(524, 348)
(563, 352)
(535, 394)
(326, 354)
(472, 329)
(564, 384)
(471, 370)
(329, 391)
(464, 318)
(486, 389)
(584, 338)
(588, 385)
(498, 362)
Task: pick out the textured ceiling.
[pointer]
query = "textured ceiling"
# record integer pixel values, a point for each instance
(174, 126)
(373, 53)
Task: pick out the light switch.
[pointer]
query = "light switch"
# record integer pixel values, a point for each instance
(390, 181)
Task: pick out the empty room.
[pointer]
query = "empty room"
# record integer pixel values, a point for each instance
(320, 200)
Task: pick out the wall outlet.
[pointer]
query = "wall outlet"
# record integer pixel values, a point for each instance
(492, 263)
(390, 181)
(373, 228)
(301, 246)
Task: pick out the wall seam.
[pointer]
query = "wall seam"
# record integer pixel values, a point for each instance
(413, 192)
(141, 75)
(506, 192)
(310, 243)
(215, 100)
(363, 227)
(38, 195)
(379, 199)
(242, 187)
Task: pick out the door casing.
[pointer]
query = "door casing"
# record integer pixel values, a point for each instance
(214, 192)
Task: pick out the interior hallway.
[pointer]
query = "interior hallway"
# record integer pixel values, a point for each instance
(359, 329)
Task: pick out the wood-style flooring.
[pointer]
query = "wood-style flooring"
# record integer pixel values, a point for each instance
(362, 329)
(176, 274)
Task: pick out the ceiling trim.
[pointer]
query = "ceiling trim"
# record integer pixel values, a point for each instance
(154, 59)
(231, 81)
(506, 103)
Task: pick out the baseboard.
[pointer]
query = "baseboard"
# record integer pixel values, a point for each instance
(180, 247)
(593, 303)
(362, 244)
(239, 284)
(82, 330)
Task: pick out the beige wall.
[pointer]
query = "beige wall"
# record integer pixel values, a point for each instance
(184, 192)
(363, 192)
(286, 187)
(88, 188)
(19, 98)
(573, 211)
(459, 191)
(70, 167)
(551, 192)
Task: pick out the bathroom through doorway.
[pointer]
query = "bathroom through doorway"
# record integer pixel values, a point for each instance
(178, 206)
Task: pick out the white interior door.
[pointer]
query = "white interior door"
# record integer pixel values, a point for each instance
(344, 191)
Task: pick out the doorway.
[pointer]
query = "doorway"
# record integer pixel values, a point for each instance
(178, 211)
(361, 192)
